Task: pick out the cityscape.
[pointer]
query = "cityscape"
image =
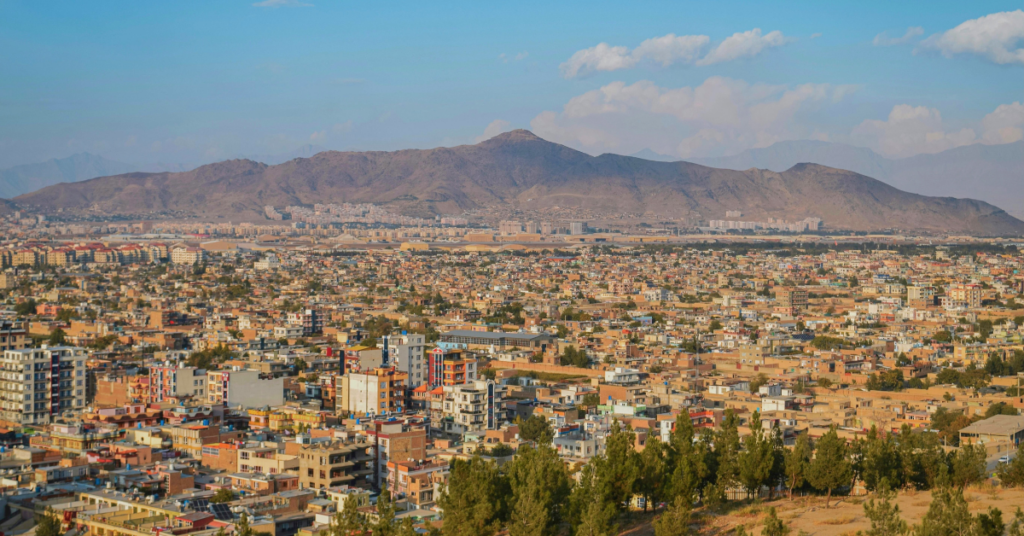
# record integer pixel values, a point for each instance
(298, 268)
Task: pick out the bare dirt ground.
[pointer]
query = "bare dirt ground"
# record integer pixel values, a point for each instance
(844, 517)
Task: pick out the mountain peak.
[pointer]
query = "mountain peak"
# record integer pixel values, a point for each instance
(514, 136)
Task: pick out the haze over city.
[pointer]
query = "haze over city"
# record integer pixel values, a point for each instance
(319, 268)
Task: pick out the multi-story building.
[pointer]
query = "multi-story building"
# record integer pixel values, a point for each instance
(965, 295)
(12, 336)
(416, 480)
(918, 296)
(376, 392)
(405, 353)
(266, 461)
(38, 384)
(450, 367)
(396, 440)
(173, 381)
(472, 407)
(187, 255)
(326, 465)
(791, 298)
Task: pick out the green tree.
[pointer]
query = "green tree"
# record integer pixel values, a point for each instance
(348, 520)
(727, 449)
(651, 483)
(243, 528)
(798, 461)
(57, 337)
(300, 364)
(590, 513)
(966, 465)
(688, 461)
(880, 463)
(773, 526)
(223, 495)
(540, 488)
(385, 525)
(757, 458)
(884, 515)
(675, 521)
(536, 428)
(831, 466)
(472, 500)
(949, 515)
(1011, 475)
(26, 308)
(619, 469)
(48, 524)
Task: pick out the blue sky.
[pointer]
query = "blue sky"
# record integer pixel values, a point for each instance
(193, 82)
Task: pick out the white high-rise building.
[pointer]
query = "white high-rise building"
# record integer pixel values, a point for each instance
(406, 354)
(39, 384)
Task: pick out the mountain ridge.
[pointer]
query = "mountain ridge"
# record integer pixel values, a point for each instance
(520, 168)
(991, 173)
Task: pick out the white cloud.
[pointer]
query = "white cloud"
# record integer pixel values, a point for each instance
(815, 35)
(720, 116)
(343, 127)
(603, 57)
(1004, 125)
(669, 50)
(910, 130)
(883, 39)
(318, 136)
(522, 55)
(493, 129)
(743, 45)
(282, 3)
(997, 37)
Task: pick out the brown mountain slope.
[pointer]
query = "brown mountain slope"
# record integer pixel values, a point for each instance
(522, 168)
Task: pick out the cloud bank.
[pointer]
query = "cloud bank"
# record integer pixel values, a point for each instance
(670, 50)
(997, 37)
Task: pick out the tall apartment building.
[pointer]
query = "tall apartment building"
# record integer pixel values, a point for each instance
(172, 381)
(450, 367)
(376, 392)
(395, 440)
(967, 295)
(12, 336)
(38, 384)
(920, 296)
(472, 407)
(791, 298)
(326, 465)
(187, 255)
(406, 354)
(577, 227)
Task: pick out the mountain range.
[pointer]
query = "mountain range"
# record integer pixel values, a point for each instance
(992, 173)
(522, 169)
(78, 167)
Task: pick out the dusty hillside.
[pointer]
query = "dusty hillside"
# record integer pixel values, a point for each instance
(520, 167)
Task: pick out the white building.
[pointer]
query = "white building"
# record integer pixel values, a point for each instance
(270, 262)
(39, 384)
(187, 255)
(472, 407)
(406, 353)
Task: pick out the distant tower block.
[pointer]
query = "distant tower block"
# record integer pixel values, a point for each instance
(734, 214)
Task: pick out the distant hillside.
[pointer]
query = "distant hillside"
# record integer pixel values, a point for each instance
(520, 168)
(78, 167)
(992, 173)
